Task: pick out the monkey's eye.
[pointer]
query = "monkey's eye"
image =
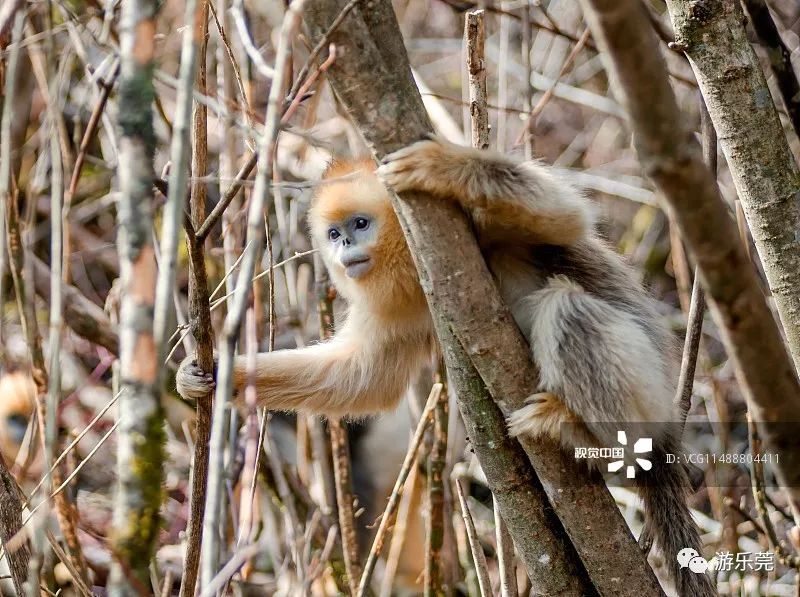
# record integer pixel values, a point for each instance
(333, 234)
(362, 223)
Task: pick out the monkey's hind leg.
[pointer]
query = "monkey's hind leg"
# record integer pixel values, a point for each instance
(542, 416)
(597, 360)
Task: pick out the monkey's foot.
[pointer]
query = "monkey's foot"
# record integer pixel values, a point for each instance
(542, 416)
(434, 166)
(192, 382)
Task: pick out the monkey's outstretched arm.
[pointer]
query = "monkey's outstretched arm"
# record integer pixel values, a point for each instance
(509, 200)
(348, 375)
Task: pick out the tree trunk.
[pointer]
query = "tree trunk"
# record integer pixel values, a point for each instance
(763, 168)
(140, 451)
(672, 158)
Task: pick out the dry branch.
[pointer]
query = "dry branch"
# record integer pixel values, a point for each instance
(195, 42)
(475, 37)
(81, 315)
(374, 82)
(397, 491)
(343, 478)
(478, 556)
(763, 168)
(436, 578)
(671, 157)
(697, 302)
(507, 570)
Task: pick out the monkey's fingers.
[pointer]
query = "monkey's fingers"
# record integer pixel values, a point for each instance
(414, 168)
(192, 382)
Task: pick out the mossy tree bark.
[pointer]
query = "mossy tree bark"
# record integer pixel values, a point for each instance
(140, 436)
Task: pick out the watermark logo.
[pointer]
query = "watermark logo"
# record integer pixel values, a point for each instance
(726, 561)
(632, 452)
(643, 445)
(689, 558)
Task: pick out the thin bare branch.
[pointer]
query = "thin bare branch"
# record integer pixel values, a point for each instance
(397, 490)
(474, 543)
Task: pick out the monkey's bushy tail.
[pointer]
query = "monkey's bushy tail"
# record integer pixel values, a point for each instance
(669, 522)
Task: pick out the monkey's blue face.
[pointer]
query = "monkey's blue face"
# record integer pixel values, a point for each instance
(352, 241)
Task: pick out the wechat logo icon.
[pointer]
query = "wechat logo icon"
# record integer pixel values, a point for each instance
(689, 558)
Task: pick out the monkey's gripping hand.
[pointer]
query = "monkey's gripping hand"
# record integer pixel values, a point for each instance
(509, 200)
(440, 168)
(192, 382)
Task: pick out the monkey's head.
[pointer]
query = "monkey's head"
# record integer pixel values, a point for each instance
(356, 230)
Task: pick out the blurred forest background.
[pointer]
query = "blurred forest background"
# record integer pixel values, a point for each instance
(61, 159)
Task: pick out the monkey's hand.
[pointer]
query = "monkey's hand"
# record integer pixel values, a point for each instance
(434, 166)
(192, 382)
(510, 201)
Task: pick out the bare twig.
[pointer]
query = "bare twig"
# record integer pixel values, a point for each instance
(322, 42)
(237, 12)
(343, 476)
(225, 200)
(397, 491)
(192, 55)
(697, 303)
(91, 129)
(474, 38)
(505, 555)
(691, 346)
(435, 581)
(474, 543)
(540, 105)
(408, 504)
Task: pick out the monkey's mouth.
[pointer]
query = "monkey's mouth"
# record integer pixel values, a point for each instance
(355, 268)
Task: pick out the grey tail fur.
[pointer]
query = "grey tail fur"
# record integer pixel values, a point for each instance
(669, 522)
